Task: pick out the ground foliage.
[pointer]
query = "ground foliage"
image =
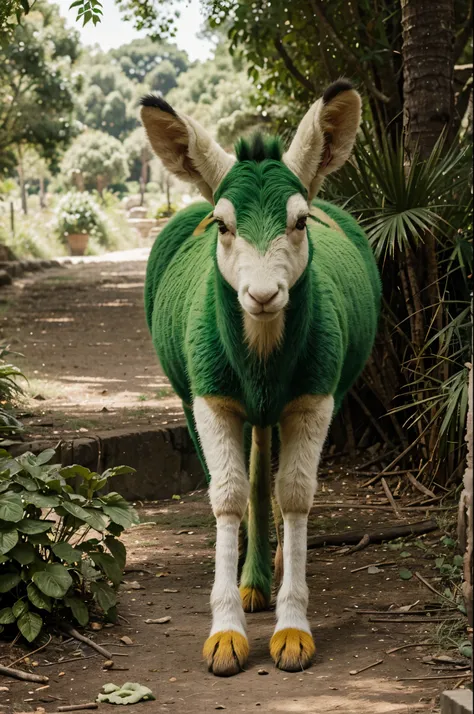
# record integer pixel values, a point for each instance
(60, 555)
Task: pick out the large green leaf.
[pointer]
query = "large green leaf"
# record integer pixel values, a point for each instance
(8, 581)
(118, 550)
(120, 512)
(54, 580)
(79, 610)
(45, 456)
(39, 599)
(66, 552)
(11, 508)
(77, 470)
(8, 540)
(109, 566)
(24, 553)
(6, 616)
(41, 500)
(32, 527)
(19, 608)
(105, 595)
(30, 625)
(27, 482)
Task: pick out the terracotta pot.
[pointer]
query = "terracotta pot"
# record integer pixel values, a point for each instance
(78, 243)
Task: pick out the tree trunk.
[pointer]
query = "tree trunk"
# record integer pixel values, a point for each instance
(101, 185)
(465, 519)
(42, 192)
(143, 175)
(428, 67)
(21, 176)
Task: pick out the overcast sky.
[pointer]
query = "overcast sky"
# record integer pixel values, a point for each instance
(113, 31)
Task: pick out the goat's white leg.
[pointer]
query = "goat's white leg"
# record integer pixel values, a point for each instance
(220, 429)
(303, 426)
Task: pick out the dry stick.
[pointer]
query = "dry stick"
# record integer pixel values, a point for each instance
(77, 636)
(363, 543)
(413, 620)
(373, 565)
(420, 486)
(398, 612)
(413, 644)
(26, 676)
(30, 654)
(448, 676)
(430, 587)
(383, 455)
(69, 659)
(390, 498)
(376, 473)
(390, 533)
(377, 507)
(369, 666)
(77, 707)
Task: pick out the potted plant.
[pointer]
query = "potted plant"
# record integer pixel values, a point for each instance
(78, 217)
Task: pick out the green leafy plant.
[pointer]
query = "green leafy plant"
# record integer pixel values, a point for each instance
(9, 390)
(77, 212)
(60, 555)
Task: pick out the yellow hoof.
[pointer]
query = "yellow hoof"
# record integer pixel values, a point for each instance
(226, 653)
(292, 650)
(253, 600)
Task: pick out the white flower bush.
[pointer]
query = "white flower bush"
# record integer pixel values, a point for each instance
(78, 213)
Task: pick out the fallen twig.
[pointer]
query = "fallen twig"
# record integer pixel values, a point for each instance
(390, 533)
(363, 669)
(77, 636)
(373, 565)
(69, 659)
(30, 654)
(413, 620)
(363, 543)
(396, 612)
(430, 587)
(378, 506)
(448, 676)
(376, 459)
(390, 498)
(77, 707)
(412, 644)
(26, 676)
(420, 486)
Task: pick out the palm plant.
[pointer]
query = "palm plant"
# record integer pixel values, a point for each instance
(418, 218)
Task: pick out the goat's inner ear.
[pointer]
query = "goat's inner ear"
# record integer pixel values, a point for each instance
(327, 153)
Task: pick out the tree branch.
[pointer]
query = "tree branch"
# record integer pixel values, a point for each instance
(291, 67)
(319, 11)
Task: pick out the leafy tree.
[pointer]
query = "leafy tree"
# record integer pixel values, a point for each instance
(140, 57)
(95, 160)
(109, 101)
(37, 88)
(162, 78)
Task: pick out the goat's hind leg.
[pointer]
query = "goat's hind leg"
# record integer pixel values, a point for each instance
(303, 429)
(220, 430)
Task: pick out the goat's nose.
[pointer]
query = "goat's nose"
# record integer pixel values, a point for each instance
(263, 295)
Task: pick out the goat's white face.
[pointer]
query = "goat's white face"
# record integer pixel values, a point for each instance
(263, 276)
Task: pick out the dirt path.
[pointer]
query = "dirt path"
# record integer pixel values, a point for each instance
(171, 557)
(87, 350)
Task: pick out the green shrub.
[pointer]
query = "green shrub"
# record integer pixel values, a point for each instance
(165, 211)
(9, 390)
(79, 213)
(60, 556)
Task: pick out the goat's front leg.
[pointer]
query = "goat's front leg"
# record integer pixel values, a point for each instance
(303, 430)
(220, 430)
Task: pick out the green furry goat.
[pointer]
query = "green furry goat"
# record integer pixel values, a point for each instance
(263, 320)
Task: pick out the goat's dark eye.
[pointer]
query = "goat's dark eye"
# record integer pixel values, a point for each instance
(301, 223)
(222, 227)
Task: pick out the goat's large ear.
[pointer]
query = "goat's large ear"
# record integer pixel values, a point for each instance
(184, 146)
(325, 136)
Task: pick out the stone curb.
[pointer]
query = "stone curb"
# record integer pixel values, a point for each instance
(10, 269)
(165, 460)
